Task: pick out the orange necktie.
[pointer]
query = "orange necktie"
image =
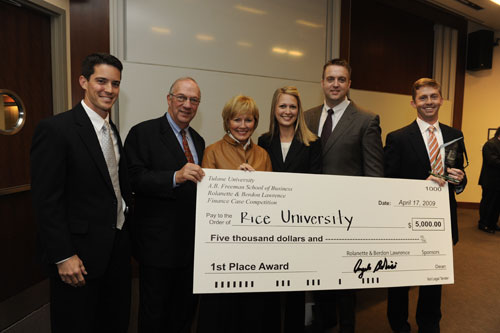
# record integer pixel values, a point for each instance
(434, 153)
(185, 145)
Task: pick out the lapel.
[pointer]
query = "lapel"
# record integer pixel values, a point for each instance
(447, 133)
(419, 145)
(197, 144)
(315, 114)
(118, 139)
(122, 166)
(344, 123)
(171, 143)
(275, 150)
(87, 133)
(292, 152)
(496, 144)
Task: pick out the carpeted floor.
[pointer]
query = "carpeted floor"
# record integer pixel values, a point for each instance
(470, 305)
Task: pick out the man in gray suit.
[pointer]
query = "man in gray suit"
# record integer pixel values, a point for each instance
(352, 146)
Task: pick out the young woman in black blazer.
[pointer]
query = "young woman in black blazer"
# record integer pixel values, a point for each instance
(292, 147)
(290, 144)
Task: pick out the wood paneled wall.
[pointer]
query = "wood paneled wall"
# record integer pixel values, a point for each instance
(26, 70)
(390, 48)
(89, 34)
(390, 44)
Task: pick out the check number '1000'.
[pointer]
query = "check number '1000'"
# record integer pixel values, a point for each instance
(428, 224)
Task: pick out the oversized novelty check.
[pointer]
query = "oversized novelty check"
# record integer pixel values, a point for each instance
(270, 231)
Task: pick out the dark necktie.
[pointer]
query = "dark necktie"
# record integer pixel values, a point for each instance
(327, 128)
(185, 145)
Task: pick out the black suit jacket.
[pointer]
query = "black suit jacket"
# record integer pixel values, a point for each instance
(73, 195)
(164, 215)
(490, 171)
(300, 158)
(406, 156)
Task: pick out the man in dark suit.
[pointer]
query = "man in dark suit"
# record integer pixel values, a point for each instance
(489, 209)
(164, 157)
(408, 154)
(352, 146)
(80, 192)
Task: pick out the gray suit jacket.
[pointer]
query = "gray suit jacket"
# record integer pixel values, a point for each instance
(355, 146)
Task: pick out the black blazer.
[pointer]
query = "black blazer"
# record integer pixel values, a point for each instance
(490, 171)
(73, 195)
(300, 158)
(164, 216)
(406, 156)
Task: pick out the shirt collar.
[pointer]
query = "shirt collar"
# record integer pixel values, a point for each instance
(423, 126)
(174, 125)
(339, 107)
(245, 146)
(95, 118)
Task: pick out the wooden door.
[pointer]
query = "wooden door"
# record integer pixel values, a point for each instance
(25, 68)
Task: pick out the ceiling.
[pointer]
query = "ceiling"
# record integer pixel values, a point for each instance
(489, 16)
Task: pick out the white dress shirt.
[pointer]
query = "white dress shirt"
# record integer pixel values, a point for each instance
(424, 130)
(338, 111)
(97, 121)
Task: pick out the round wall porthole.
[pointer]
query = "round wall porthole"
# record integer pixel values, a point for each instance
(12, 112)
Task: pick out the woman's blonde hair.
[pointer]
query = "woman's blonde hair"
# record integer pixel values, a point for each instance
(239, 105)
(302, 132)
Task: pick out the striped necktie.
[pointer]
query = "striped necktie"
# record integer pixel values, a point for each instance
(108, 151)
(434, 153)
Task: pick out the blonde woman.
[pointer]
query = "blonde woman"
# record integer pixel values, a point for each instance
(236, 149)
(291, 146)
(238, 312)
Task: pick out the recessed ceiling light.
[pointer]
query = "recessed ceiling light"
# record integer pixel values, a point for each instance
(308, 23)
(279, 50)
(250, 10)
(205, 37)
(160, 30)
(244, 44)
(295, 53)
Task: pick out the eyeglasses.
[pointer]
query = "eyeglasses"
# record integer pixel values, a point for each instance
(182, 99)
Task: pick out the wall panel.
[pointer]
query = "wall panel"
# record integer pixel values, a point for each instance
(89, 34)
(389, 48)
(278, 38)
(230, 47)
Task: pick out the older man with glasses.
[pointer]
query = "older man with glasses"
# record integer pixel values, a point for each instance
(164, 156)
